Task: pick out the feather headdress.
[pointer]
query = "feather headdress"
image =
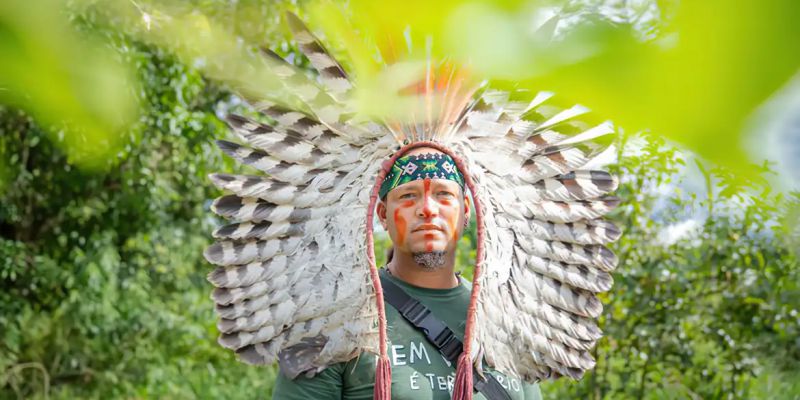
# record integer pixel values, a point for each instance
(296, 282)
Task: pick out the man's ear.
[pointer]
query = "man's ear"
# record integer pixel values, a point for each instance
(381, 211)
(467, 207)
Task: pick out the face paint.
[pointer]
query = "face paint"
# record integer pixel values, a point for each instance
(425, 198)
(426, 212)
(453, 223)
(400, 224)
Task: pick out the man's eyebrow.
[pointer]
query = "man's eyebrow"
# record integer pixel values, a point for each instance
(405, 190)
(444, 183)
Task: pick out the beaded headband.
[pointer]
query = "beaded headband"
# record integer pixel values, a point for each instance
(421, 166)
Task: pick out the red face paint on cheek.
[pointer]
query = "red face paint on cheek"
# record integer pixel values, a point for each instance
(400, 225)
(452, 222)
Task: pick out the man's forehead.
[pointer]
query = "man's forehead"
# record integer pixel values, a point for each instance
(420, 184)
(422, 150)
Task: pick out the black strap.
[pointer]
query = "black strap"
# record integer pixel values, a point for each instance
(439, 335)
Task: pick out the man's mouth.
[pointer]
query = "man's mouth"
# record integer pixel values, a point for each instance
(428, 227)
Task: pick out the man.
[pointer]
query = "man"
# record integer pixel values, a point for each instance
(425, 218)
(296, 280)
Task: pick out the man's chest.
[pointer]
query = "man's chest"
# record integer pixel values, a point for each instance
(419, 371)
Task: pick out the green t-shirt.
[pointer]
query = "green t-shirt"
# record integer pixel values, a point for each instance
(419, 371)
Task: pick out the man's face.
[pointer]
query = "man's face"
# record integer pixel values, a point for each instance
(425, 216)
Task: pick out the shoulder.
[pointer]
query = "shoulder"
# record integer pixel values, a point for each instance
(326, 384)
(353, 379)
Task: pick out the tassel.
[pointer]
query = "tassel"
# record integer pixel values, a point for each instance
(383, 380)
(462, 388)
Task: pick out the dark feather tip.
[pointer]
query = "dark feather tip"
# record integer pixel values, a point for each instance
(226, 206)
(228, 147)
(225, 231)
(602, 179)
(249, 355)
(611, 201)
(604, 281)
(612, 231)
(213, 253)
(230, 341)
(226, 325)
(218, 277)
(236, 121)
(221, 296)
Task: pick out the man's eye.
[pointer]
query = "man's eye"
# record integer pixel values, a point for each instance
(407, 196)
(446, 193)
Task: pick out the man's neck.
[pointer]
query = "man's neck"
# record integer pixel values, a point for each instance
(404, 267)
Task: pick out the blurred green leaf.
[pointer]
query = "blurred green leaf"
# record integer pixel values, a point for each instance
(67, 80)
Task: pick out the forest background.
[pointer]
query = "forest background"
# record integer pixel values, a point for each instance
(109, 109)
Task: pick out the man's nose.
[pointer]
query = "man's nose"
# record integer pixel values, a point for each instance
(429, 207)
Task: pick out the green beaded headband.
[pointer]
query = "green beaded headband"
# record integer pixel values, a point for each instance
(421, 166)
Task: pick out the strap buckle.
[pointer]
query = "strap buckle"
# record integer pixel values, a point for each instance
(438, 333)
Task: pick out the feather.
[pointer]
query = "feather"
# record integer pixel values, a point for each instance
(321, 135)
(267, 230)
(557, 294)
(331, 72)
(577, 185)
(257, 210)
(286, 145)
(316, 99)
(250, 274)
(292, 173)
(230, 252)
(290, 282)
(596, 231)
(589, 255)
(249, 306)
(570, 211)
(553, 162)
(576, 275)
(284, 333)
(281, 193)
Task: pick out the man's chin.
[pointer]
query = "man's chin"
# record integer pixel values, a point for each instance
(430, 260)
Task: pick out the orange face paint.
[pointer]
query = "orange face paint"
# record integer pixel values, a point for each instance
(400, 222)
(400, 225)
(426, 198)
(452, 222)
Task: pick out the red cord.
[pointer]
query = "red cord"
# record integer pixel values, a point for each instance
(383, 377)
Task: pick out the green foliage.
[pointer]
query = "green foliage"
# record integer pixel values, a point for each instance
(54, 72)
(665, 65)
(103, 281)
(709, 314)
